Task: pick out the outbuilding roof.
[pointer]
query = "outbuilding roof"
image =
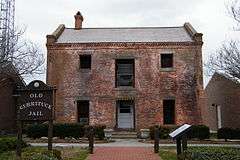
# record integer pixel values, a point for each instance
(142, 34)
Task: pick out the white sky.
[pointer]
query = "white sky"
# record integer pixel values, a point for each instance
(41, 17)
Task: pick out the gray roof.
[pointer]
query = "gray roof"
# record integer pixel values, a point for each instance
(147, 34)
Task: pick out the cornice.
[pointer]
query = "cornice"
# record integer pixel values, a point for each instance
(122, 44)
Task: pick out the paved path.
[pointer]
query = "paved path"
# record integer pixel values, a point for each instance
(128, 143)
(123, 153)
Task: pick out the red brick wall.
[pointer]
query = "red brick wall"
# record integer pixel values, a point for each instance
(226, 93)
(7, 107)
(152, 84)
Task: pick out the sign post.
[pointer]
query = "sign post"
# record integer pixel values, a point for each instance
(156, 140)
(180, 135)
(35, 102)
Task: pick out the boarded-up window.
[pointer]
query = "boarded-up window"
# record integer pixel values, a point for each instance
(85, 61)
(125, 72)
(169, 111)
(166, 60)
(83, 112)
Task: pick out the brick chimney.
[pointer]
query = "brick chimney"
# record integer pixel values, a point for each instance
(78, 20)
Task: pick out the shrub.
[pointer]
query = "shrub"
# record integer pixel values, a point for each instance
(59, 130)
(199, 131)
(228, 133)
(211, 153)
(9, 144)
(164, 131)
(37, 130)
(74, 130)
(98, 131)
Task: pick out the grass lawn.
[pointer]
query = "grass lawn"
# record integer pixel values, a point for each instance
(74, 154)
(202, 153)
(168, 154)
(66, 153)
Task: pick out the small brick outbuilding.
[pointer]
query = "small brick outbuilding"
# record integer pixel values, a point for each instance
(9, 80)
(223, 98)
(126, 78)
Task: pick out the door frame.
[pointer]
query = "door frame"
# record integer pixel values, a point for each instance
(134, 116)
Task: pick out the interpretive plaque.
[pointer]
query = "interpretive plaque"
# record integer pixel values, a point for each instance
(180, 131)
(180, 135)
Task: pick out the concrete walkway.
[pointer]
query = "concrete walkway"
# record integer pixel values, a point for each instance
(129, 143)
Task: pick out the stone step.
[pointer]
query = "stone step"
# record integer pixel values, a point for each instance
(124, 135)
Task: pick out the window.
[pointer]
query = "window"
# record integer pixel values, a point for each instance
(124, 72)
(169, 111)
(125, 106)
(85, 61)
(83, 112)
(166, 60)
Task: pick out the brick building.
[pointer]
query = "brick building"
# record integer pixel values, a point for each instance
(222, 109)
(126, 78)
(9, 79)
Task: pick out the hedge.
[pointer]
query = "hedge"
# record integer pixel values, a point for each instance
(228, 133)
(211, 153)
(9, 144)
(62, 130)
(197, 131)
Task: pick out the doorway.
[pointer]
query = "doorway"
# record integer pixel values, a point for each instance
(125, 114)
(83, 112)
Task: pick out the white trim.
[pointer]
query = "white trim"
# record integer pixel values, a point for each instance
(219, 117)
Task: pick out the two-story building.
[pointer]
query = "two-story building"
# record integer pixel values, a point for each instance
(126, 78)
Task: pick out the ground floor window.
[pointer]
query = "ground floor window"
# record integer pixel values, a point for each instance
(169, 111)
(83, 112)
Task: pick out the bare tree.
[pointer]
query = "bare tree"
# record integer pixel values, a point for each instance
(24, 56)
(233, 9)
(227, 58)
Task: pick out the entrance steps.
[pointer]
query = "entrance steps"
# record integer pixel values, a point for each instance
(124, 135)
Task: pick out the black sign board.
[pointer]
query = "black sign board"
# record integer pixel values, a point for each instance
(35, 102)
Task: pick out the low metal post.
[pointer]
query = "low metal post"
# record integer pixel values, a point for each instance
(91, 140)
(156, 140)
(184, 143)
(179, 146)
(50, 134)
(19, 140)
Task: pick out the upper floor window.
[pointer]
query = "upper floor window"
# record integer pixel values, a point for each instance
(124, 72)
(166, 60)
(85, 61)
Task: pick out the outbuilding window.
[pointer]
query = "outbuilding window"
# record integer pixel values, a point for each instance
(169, 111)
(124, 72)
(85, 61)
(167, 60)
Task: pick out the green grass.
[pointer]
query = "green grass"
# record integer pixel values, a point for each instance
(167, 155)
(74, 154)
(202, 153)
(7, 155)
(66, 153)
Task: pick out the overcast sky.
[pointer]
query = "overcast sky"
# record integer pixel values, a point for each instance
(41, 17)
